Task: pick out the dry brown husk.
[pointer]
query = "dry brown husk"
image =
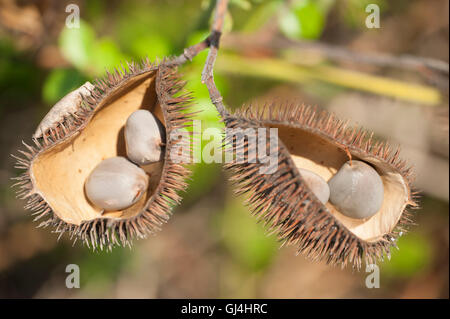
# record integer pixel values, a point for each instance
(58, 163)
(318, 141)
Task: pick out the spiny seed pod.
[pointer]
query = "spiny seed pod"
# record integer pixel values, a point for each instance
(356, 190)
(144, 137)
(116, 184)
(319, 142)
(57, 166)
(316, 184)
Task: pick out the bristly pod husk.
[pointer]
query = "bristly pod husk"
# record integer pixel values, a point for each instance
(65, 153)
(319, 142)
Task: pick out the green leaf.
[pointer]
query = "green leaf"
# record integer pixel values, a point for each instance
(152, 46)
(243, 4)
(87, 53)
(77, 45)
(106, 55)
(305, 20)
(289, 25)
(260, 15)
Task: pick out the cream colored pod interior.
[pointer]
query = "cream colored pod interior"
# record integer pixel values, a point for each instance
(65, 153)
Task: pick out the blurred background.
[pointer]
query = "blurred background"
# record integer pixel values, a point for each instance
(392, 79)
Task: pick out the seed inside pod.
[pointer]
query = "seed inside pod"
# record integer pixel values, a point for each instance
(144, 137)
(316, 184)
(357, 190)
(116, 184)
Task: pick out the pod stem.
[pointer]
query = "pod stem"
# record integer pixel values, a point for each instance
(207, 74)
(349, 155)
(211, 42)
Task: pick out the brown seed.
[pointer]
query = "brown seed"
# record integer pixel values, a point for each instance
(116, 184)
(144, 137)
(316, 184)
(357, 190)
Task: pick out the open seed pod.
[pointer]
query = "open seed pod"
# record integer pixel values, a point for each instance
(319, 142)
(65, 154)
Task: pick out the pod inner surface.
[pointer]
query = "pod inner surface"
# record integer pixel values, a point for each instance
(60, 171)
(314, 151)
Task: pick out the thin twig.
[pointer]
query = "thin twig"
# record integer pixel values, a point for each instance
(211, 42)
(207, 74)
(190, 52)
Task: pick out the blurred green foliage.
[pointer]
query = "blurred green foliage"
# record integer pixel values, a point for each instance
(260, 15)
(305, 19)
(114, 32)
(19, 77)
(246, 240)
(78, 45)
(416, 253)
(87, 52)
(413, 256)
(204, 177)
(102, 267)
(59, 82)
